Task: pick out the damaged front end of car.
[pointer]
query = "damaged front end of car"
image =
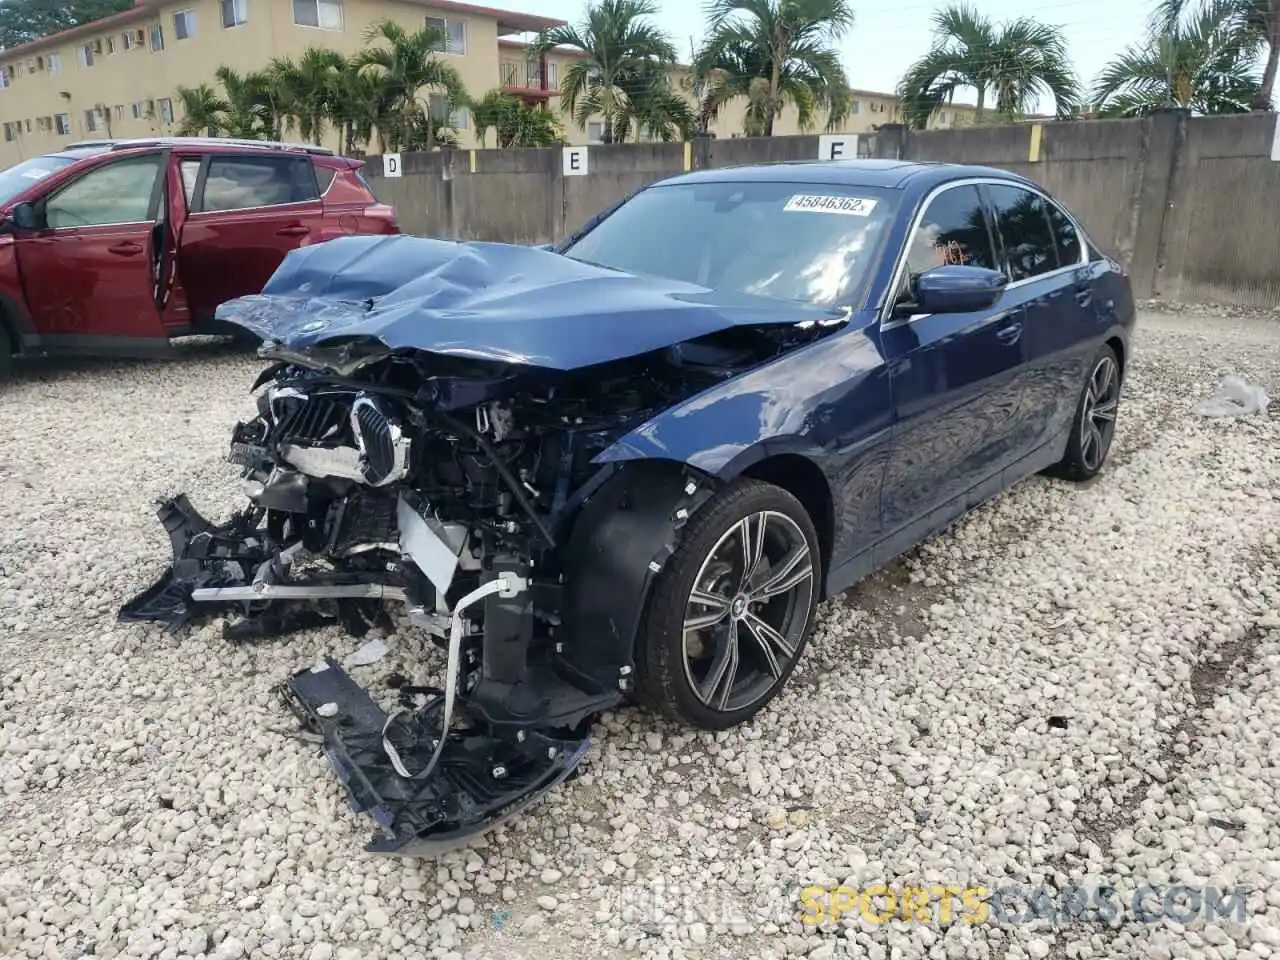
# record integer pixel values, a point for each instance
(433, 437)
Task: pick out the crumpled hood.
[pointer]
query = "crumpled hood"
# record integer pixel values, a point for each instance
(341, 303)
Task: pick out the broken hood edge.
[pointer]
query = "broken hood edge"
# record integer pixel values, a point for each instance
(351, 300)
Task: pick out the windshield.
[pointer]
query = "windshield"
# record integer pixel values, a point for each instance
(20, 176)
(814, 243)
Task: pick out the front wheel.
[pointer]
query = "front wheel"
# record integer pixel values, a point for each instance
(1094, 425)
(732, 610)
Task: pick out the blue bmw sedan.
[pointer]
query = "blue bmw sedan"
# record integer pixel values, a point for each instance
(631, 466)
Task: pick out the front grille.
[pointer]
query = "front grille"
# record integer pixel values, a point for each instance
(377, 438)
(308, 420)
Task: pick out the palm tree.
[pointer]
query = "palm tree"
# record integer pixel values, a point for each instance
(1015, 63)
(775, 52)
(514, 122)
(619, 42)
(360, 103)
(202, 111)
(1207, 64)
(653, 107)
(404, 63)
(252, 112)
(1260, 17)
(306, 89)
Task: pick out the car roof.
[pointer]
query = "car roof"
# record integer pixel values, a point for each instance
(888, 174)
(140, 142)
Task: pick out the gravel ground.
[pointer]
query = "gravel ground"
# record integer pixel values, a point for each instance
(1075, 686)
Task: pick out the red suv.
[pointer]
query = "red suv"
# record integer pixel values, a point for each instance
(114, 247)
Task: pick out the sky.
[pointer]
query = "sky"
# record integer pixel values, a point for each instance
(888, 36)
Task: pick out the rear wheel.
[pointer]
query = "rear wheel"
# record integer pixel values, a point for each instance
(1094, 426)
(732, 610)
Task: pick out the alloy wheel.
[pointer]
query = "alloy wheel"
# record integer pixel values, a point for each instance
(747, 612)
(1098, 416)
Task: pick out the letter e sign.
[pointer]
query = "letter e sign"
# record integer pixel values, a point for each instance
(391, 165)
(838, 146)
(575, 161)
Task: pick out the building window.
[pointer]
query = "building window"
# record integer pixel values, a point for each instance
(28, 124)
(8, 133)
(234, 13)
(324, 14)
(62, 123)
(157, 37)
(461, 119)
(142, 109)
(854, 107)
(453, 31)
(551, 75)
(54, 63)
(86, 55)
(132, 39)
(5, 79)
(595, 132)
(166, 109)
(438, 107)
(93, 120)
(184, 25)
(111, 44)
(118, 111)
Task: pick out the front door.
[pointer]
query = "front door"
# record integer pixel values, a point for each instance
(953, 379)
(87, 270)
(247, 213)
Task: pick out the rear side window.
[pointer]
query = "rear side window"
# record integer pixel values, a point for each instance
(1023, 224)
(1065, 235)
(952, 231)
(244, 183)
(324, 178)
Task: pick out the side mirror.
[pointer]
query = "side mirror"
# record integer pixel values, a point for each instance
(958, 289)
(24, 216)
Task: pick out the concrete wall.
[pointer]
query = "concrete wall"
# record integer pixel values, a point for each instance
(1187, 204)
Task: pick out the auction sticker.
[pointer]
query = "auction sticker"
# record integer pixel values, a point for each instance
(847, 206)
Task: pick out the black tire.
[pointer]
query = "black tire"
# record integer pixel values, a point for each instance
(667, 681)
(7, 356)
(1087, 448)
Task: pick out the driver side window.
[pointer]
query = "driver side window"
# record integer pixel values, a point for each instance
(953, 231)
(116, 193)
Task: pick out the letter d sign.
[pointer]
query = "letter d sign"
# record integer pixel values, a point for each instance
(391, 165)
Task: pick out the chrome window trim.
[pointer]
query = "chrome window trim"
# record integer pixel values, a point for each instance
(885, 310)
(271, 206)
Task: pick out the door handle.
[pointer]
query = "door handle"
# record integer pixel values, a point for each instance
(1011, 334)
(126, 249)
(298, 231)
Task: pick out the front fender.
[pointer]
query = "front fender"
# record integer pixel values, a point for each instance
(825, 395)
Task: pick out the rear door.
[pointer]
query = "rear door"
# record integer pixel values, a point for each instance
(1049, 275)
(247, 212)
(87, 270)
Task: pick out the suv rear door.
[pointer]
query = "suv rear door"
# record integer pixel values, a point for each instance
(87, 269)
(247, 210)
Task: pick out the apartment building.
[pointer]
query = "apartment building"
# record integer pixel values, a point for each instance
(118, 77)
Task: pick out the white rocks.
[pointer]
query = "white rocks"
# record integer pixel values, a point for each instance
(145, 797)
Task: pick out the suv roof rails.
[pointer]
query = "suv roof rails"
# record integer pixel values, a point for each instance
(200, 141)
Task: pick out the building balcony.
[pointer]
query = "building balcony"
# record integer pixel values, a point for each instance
(528, 79)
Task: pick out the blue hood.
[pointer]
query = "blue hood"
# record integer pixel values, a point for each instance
(351, 300)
